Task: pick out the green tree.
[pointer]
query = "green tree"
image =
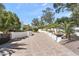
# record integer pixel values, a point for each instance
(72, 7)
(35, 23)
(47, 16)
(9, 21)
(2, 7)
(17, 23)
(62, 19)
(27, 27)
(41, 24)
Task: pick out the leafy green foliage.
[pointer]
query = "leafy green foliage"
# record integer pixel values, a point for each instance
(35, 29)
(35, 22)
(2, 7)
(54, 25)
(27, 28)
(72, 7)
(47, 16)
(8, 20)
(61, 20)
(68, 30)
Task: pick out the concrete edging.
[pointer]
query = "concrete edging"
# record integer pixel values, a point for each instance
(54, 37)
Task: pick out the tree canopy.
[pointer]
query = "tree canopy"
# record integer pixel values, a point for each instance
(72, 7)
(8, 20)
(47, 16)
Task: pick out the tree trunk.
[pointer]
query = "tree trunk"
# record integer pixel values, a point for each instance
(68, 36)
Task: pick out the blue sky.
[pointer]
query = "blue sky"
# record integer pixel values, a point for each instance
(27, 11)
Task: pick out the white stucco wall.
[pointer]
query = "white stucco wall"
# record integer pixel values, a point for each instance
(15, 35)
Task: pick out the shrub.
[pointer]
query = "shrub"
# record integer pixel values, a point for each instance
(35, 29)
(4, 38)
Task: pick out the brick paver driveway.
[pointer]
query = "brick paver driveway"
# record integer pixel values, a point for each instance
(41, 45)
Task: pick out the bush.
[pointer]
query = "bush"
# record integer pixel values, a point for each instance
(35, 29)
(4, 38)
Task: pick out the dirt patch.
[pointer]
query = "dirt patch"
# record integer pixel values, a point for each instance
(72, 45)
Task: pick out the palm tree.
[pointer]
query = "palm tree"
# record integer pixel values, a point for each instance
(68, 29)
(54, 26)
